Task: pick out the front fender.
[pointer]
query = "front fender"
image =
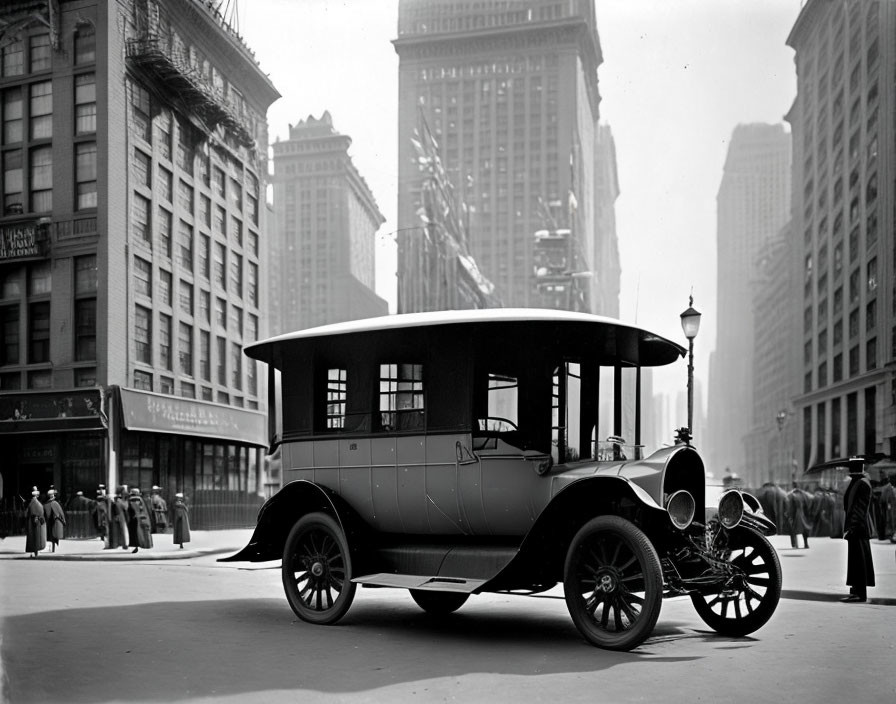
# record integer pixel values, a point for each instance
(279, 513)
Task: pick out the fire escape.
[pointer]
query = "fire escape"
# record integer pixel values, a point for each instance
(154, 55)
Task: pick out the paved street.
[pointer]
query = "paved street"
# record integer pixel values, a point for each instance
(86, 626)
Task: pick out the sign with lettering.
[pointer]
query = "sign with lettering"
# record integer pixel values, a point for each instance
(142, 410)
(39, 406)
(22, 241)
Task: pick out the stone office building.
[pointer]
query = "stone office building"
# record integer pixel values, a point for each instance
(132, 244)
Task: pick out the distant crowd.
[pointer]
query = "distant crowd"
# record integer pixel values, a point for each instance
(123, 520)
(821, 513)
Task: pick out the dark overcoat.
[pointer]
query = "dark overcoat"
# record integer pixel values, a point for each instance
(859, 529)
(798, 505)
(181, 523)
(139, 525)
(159, 514)
(55, 517)
(35, 527)
(100, 511)
(118, 522)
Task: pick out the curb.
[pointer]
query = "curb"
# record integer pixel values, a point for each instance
(144, 555)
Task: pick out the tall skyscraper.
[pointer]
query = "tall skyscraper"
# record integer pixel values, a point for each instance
(322, 249)
(843, 202)
(510, 92)
(132, 224)
(753, 204)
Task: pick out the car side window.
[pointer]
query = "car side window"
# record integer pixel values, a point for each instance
(401, 397)
(336, 395)
(502, 407)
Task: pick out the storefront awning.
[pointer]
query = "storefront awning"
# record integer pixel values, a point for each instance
(52, 411)
(141, 410)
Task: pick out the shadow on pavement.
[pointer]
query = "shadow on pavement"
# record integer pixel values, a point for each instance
(172, 651)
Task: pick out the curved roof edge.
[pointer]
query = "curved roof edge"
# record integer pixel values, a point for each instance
(451, 317)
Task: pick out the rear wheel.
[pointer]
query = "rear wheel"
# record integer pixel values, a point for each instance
(613, 583)
(745, 601)
(317, 570)
(438, 603)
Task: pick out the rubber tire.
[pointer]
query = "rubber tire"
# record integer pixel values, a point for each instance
(738, 627)
(327, 533)
(637, 545)
(438, 603)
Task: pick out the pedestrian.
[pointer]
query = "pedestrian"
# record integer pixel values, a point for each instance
(888, 499)
(798, 505)
(55, 518)
(878, 515)
(159, 509)
(100, 511)
(118, 519)
(859, 529)
(35, 525)
(139, 523)
(181, 521)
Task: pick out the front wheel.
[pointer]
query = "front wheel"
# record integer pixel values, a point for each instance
(613, 583)
(744, 601)
(317, 570)
(438, 603)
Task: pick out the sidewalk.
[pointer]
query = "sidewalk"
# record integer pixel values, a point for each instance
(202, 542)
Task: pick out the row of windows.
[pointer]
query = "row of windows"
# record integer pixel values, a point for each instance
(834, 427)
(35, 52)
(28, 179)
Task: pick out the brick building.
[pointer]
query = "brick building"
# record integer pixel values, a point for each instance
(132, 225)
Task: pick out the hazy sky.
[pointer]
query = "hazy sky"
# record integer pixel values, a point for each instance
(677, 77)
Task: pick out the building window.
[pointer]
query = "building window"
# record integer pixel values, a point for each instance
(12, 116)
(205, 306)
(141, 111)
(13, 203)
(141, 167)
(39, 333)
(236, 195)
(40, 279)
(85, 45)
(14, 58)
(205, 361)
(143, 335)
(219, 265)
(252, 283)
(85, 377)
(140, 219)
(185, 196)
(236, 320)
(42, 180)
(251, 328)
(165, 181)
(85, 174)
(42, 110)
(163, 134)
(221, 313)
(85, 103)
(205, 211)
(164, 231)
(222, 360)
(185, 349)
(872, 274)
(166, 385)
(236, 230)
(9, 324)
(236, 274)
(185, 151)
(218, 182)
(165, 287)
(187, 390)
(185, 245)
(204, 253)
(251, 378)
(236, 365)
(220, 220)
(164, 341)
(186, 297)
(142, 277)
(85, 329)
(871, 354)
(142, 380)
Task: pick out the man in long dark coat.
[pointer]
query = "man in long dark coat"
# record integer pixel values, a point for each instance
(181, 521)
(139, 523)
(159, 511)
(55, 518)
(35, 525)
(859, 529)
(118, 520)
(798, 506)
(100, 512)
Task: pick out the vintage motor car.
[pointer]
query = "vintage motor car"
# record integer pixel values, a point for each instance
(463, 452)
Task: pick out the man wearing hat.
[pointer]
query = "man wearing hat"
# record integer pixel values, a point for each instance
(118, 519)
(55, 518)
(35, 525)
(159, 511)
(181, 521)
(139, 526)
(857, 503)
(100, 512)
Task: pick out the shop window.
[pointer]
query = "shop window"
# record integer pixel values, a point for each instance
(85, 103)
(401, 396)
(85, 174)
(142, 380)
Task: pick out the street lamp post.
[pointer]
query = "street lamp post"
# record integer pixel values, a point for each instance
(690, 324)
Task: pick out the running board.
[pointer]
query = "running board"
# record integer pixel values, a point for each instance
(415, 581)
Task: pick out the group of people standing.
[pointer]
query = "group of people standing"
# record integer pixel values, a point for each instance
(124, 519)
